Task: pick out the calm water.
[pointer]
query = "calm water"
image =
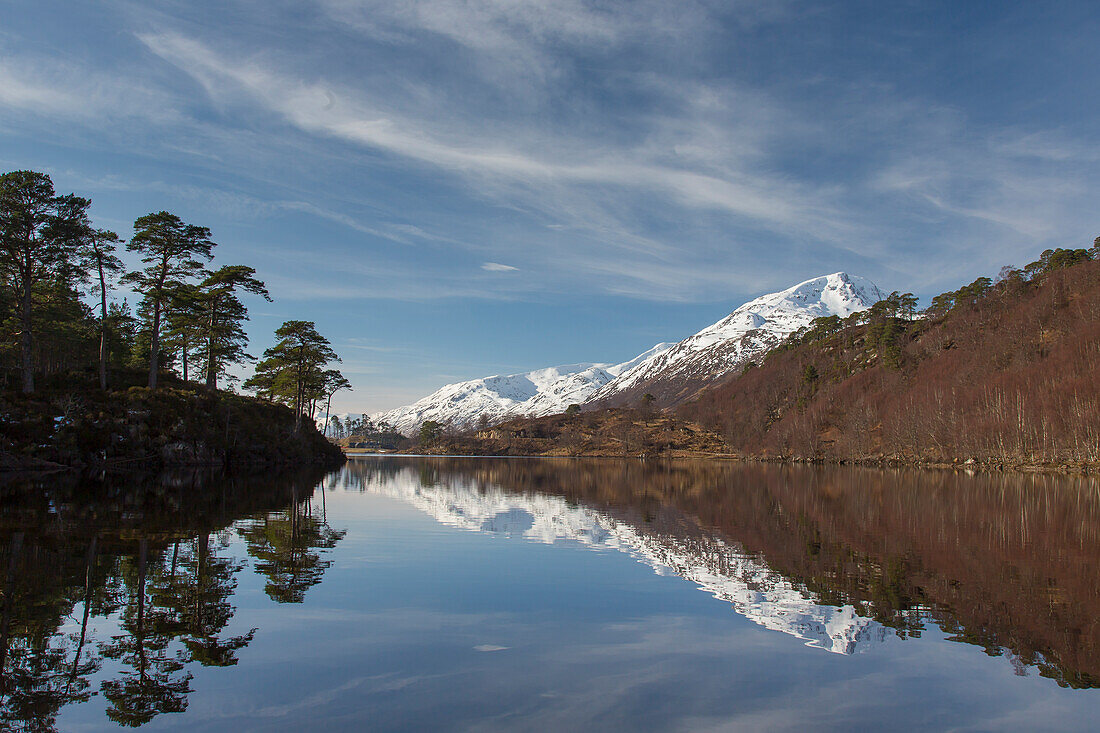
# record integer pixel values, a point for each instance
(545, 594)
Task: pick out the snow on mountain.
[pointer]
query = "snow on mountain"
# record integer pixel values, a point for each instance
(675, 374)
(626, 366)
(672, 372)
(713, 564)
(540, 392)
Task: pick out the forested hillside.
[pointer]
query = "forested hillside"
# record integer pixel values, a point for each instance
(88, 380)
(1003, 371)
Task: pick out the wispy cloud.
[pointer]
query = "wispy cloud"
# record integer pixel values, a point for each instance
(702, 181)
(521, 44)
(706, 158)
(59, 88)
(321, 108)
(691, 152)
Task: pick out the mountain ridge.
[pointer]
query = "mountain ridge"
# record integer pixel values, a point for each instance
(536, 393)
(672, 372)
(745, 335)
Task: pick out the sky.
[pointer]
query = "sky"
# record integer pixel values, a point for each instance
(457, 188)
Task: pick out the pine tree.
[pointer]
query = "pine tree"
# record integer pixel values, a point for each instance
(122, 332)
(332, 382)
(292, 370)
(172, 252)
(40, 236)
(99, 256)
(183, 320)
(223, 316)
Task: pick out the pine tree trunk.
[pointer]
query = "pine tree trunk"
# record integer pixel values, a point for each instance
(211, 364)
(298, 407)
(211, 368)
(154, 345)
(139, 635)
(89, 565)
(27, 342)
(299, 392)
(102, 329)
(103, 356)
(328, 406)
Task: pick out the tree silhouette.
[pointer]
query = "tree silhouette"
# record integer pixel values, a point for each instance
(172, 252)
(223, 316)
(42, 669)
(293, 370)
(193, 598)
(99, 256)
(40, 236)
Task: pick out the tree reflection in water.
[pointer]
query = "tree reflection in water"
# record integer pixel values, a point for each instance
(284, 544)
(147, 553)
(154, 682)
(1006, 562)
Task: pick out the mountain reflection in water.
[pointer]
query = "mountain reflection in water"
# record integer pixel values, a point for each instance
(838, 556)
(146, 553)
(126, 591)
(719, 567)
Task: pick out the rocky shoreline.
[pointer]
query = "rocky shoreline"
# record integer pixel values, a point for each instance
(137, 428)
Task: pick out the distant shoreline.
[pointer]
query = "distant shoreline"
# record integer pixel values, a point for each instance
(966, 466)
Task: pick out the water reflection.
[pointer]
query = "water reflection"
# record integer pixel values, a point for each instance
(840, 557)
(126, 591)
(149, 555)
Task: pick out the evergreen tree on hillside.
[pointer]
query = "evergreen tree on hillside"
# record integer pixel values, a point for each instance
(223, 316)
(430, 432)
(40, 236)
(292, 371)
(100, 259)
(122, 332)
(183, 317)
(332, 381)
(172, 252)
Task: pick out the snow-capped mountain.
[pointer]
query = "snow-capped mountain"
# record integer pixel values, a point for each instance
(714, 565)
(671, 372)
(675, 374)
(540, 392)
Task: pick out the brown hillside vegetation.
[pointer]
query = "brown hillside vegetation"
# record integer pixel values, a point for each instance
(1005, 373)
(613, 432)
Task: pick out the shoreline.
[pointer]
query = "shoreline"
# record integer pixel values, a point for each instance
(968, 465)
(12, 465)
(75, 427)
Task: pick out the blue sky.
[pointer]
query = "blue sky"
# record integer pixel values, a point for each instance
(456, 188)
